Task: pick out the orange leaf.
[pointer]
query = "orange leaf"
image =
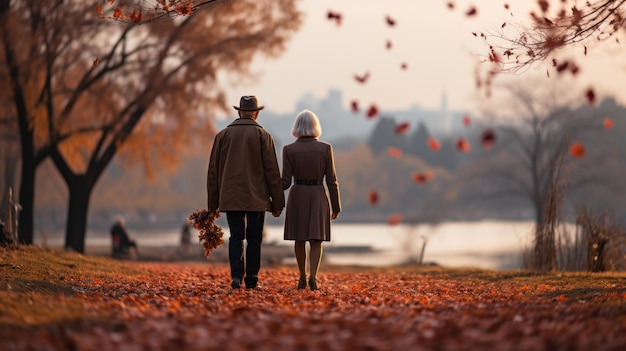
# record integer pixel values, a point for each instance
(463, 146)
(433, 144)
(577, 149)
(394, 152)
(394, 219)
(99, 9)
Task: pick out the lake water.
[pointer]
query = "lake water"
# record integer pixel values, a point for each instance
(483, 244)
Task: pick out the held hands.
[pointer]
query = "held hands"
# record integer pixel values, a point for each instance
(334, 215)
(215, 212)
(276, 213)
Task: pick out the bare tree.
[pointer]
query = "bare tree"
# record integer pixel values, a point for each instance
(532, 162)
(554, 25)
(84, 89)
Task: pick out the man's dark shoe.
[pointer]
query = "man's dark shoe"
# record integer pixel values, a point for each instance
(302, 283)
(236, 284)
(313, 283)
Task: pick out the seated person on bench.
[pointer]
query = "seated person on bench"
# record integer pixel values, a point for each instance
(120, 240)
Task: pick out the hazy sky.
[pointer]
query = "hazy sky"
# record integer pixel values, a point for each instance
(436, 44)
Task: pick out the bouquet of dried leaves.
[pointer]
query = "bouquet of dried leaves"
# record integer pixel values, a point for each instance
(211, 234)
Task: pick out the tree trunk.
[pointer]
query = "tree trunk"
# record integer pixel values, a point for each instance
(27, 196)
(76, 226)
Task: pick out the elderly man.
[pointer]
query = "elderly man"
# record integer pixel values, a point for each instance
(244, 182)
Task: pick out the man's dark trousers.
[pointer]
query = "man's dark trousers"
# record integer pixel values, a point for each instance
(245, 225)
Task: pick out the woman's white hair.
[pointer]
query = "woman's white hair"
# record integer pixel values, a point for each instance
(306, 125)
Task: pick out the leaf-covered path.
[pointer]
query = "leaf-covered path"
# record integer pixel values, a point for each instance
(172, 306)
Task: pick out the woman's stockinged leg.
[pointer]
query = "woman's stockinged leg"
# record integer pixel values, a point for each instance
(316, 257)
(300, 251)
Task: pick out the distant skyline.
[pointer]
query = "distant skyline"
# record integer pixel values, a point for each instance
(435, 43)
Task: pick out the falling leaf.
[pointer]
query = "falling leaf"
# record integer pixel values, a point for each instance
(394, 219)
(422, 177)
(394, 152)
(591, 96)
(488, 139)
(466, 121)
(450, 5)
(354, 105)
(463, 146)
(608, 123)
(362, 79)
(577, 149)
(433, 144)
(389, 45)
(373, 197)
(334, 16)
(402, 128)
(404, 65)
(472, 11)
(372, 111)
(390, 21)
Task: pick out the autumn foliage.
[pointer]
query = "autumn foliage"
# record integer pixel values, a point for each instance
(84, 303)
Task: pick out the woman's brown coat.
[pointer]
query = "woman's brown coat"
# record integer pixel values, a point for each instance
(308, 211)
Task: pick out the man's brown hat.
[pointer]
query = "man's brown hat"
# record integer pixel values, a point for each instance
(249, 103)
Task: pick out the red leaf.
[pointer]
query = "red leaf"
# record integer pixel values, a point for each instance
(373, 197)
(488, 139)
(608, 123)
(334, 16)
(354, 105)
(421, 178)
(433, 144)
(577, 149)
(389, 44)
(463, 146)
(390, 21)
(404, 65)
(402, 128)
(372, 111)
(471, 12)
(394, 152)
(362, 79)
(466, 120)
(394, 219)
(591, 96)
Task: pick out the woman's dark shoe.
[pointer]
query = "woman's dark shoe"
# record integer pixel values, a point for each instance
(302, 283)
(312, 283)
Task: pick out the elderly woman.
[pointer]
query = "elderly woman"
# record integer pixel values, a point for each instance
(308, 162)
